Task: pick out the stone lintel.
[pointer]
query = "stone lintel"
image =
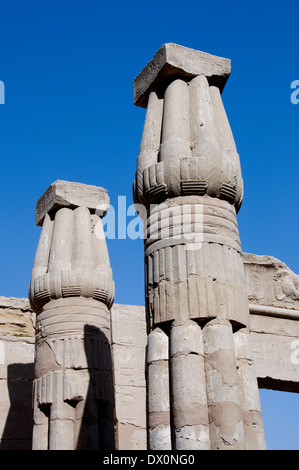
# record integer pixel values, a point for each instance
(72, 195)
(171, 60)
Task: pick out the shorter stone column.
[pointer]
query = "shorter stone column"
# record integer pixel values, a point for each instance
(72, 291)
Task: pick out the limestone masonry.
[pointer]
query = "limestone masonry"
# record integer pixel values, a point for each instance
(183, 372)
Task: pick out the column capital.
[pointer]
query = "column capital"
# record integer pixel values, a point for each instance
(187, 146)
(173, 60)
(72, 258)
(70, 194)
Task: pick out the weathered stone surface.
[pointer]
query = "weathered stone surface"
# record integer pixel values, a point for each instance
(275, 356)
(16, 373)
(273, 294)
(189, 179)
(128, 345)
(16, 317)
(270, 283)
(223, 397)
(158, 391)
(71, 194)
(187, 146)
(16, 403)
(275, 344)
(129, 409)
(176, 263)
(249, 394)
(188, 388)
(71, 259)
(173, 59)
(128, 325)
(130, 437)
(15, 303)
(72, 291)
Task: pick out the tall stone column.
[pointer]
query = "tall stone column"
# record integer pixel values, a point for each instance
(189, 180)
(72, 291)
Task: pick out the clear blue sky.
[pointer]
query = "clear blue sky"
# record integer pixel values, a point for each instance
(68, 68)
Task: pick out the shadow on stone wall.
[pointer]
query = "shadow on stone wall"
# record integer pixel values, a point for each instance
(17, 433)
(95, 414)
(97, 425)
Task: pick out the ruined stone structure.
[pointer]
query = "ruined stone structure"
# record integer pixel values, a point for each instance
(71, 292)
(183, 373)
(202, 387)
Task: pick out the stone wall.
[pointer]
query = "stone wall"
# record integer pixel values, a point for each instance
(276, 352)
(17, 332)
(273, 294)
(16, 373)
(128, 351)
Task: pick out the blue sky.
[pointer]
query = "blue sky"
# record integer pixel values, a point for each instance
(68, 67)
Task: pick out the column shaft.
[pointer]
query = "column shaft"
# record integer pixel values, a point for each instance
(188, 388)
(225, 412)
(158, 399)
(249, 392)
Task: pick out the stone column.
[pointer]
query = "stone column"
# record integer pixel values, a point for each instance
(158, 398)
(72, 291)
(189, 180)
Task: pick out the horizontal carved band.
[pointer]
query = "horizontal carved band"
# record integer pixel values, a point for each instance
(72, 316)
(194, 187)
(191, 220)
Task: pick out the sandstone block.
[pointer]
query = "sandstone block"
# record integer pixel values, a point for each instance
(271, 284)
(71, 194)
(129, 406)
(275, 348)
(131, 437)
(16, 317)
(172, 59)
